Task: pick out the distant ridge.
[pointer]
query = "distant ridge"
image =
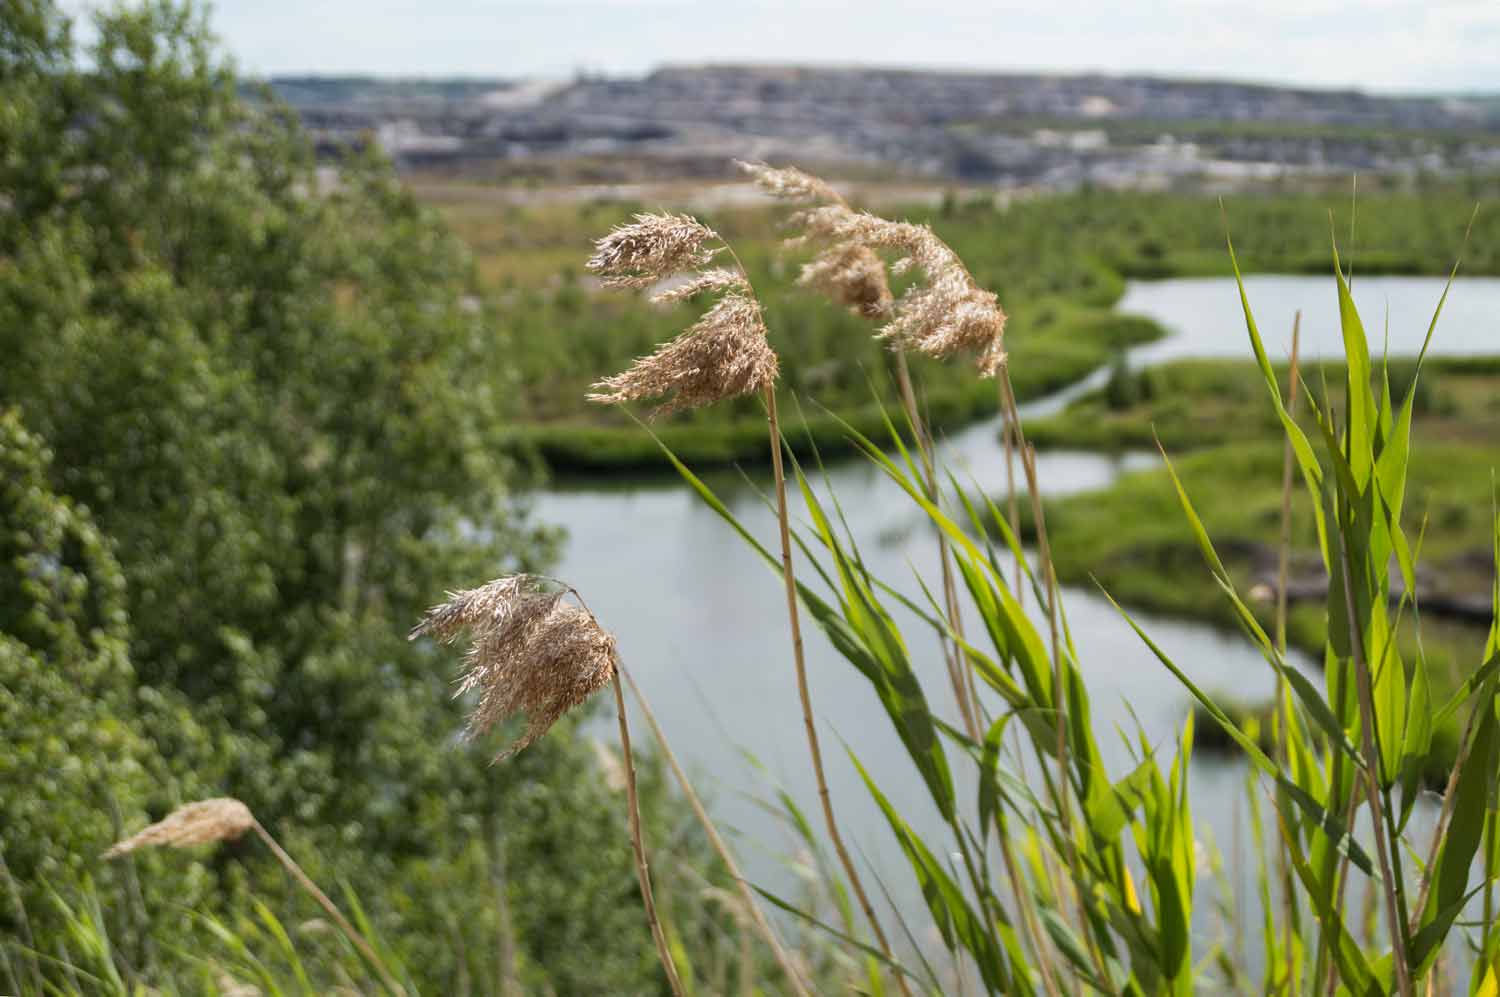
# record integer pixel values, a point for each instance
(1032, 129)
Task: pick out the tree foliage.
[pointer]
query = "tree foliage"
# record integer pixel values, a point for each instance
(274, 388)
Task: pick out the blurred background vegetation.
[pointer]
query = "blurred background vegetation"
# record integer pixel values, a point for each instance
(251, 413)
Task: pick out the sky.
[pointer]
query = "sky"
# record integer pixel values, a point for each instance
(1378, 45)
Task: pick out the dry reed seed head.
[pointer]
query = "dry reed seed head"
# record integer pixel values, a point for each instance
(530, 652)
(848, 273)
(853, 276)
(947, 314)
(522, 619)
(723, 355)
(716, 281)
(654, 246)
(547, 670)
(476, 608)
(789, 183)
(949, 317)
(201, 823)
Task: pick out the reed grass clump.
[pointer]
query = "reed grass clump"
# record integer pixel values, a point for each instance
(1103, 867)
(723, 355)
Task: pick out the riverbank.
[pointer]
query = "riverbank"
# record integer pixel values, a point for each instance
(1075, 344)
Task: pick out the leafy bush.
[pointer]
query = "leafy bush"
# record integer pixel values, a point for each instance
(277, 392)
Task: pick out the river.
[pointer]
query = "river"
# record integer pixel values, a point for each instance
(701, 620)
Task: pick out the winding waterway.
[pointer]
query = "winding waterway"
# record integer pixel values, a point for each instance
(701, 620)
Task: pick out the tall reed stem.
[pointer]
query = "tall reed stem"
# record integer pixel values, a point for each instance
(1288, 465)
(1396, 923)
(963, 691)
(966, 694)
(1059, 694)
(1440, 830)
(762, 926)
(305, 881)
(1013, 502)
(642, 869)
(1283, 572)
(799, 659)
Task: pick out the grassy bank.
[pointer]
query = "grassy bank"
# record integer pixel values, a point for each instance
(1085, 339)
(1194, 404)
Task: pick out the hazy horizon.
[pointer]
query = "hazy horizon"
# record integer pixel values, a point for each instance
(1383, 46)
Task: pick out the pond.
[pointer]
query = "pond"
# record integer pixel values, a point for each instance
(702, 622)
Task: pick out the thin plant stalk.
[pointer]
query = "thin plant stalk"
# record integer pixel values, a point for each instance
(1283, 572)
(305, 881)
(799, 659)
(1340, 887)
(963, 692)
(1440, 830)
(762, 926)
(1013, 501)
(1028, 916)
(638, 846)
(966, 694)
(747, 975)
(1372, 786)
(1044, 550)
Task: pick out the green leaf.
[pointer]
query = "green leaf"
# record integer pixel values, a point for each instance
(1311, 700)
(1321, 817)
(1450, 872)
(284, 943)
(989, 786)
(1355, 971)
(956, 920)
(1072, 948)
(1307, 461)
(1360, 400)
(854, 943)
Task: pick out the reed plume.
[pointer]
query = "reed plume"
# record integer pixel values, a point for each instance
(722, 355)
(200, 823)
(944, 314)
(224, 819)
(847, 272)
(654, 246)
(947, 314)
(532, 653)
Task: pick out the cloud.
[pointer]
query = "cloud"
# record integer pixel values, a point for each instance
(1385, 45)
